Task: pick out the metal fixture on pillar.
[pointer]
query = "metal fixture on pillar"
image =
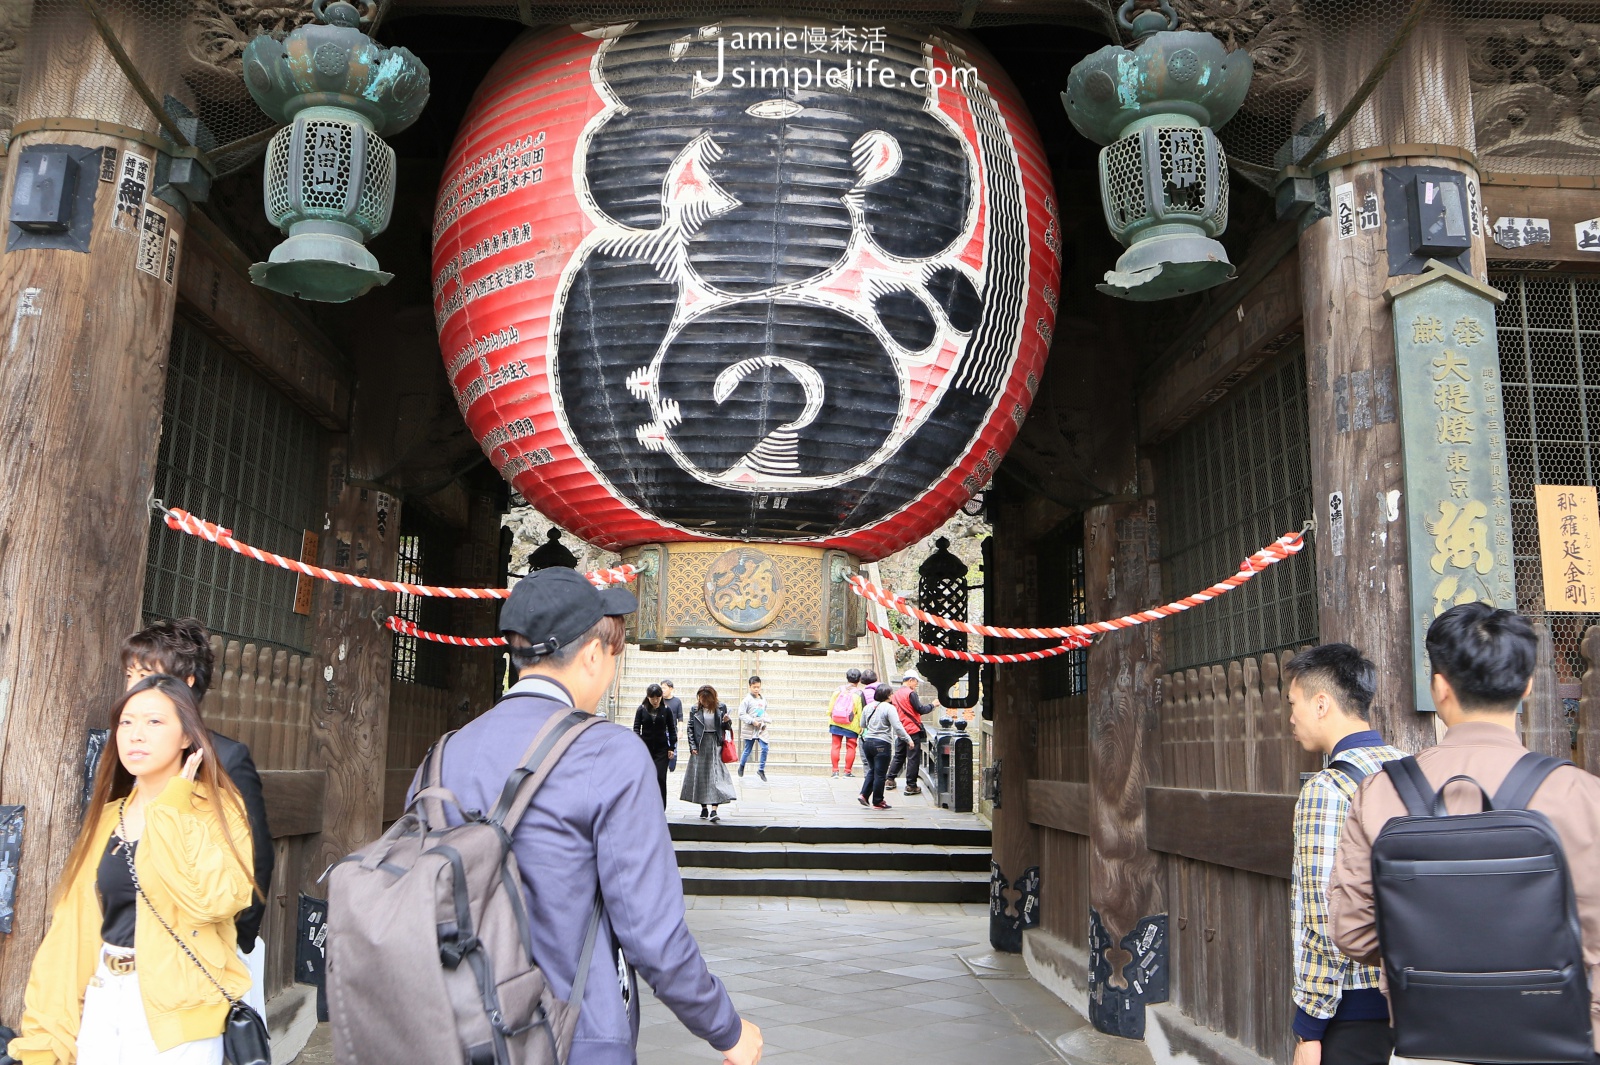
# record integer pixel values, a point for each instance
(942, 590)
(329, 182)
(552, 553)
(1163, 175)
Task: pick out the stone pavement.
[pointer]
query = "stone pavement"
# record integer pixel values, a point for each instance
(848, 982)
(867, 983)
(858, 983)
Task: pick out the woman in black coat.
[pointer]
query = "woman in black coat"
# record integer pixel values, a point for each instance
(653, 723)
(706, 780)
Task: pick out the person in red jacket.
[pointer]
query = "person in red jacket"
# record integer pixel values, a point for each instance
(912, 710)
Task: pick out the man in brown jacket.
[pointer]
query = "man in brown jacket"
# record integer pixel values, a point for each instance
(1482, 661)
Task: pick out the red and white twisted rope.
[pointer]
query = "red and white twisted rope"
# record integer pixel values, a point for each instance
(1277, 551)
(1072, 644)
(406, 628)
(184, 522)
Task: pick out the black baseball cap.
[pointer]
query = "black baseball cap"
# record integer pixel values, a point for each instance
(552, 607)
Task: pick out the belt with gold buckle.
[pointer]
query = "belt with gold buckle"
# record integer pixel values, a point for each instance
(121, 964)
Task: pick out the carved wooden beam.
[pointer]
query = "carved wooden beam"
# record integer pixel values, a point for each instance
(214, 290)
(294, 800)
(1574, 200)
(1059, 804)
(1263, 324)
(1228, 828)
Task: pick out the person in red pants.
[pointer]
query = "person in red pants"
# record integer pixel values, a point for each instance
(844, 721)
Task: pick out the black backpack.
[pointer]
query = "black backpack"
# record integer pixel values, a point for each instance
(1478, 926)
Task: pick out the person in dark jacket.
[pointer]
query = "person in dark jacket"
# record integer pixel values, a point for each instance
(670, 701)
(182, 649)
(706, 780)
(591, 828)
(653, 723)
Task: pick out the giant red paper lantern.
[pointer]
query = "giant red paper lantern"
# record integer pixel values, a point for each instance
(760, 280)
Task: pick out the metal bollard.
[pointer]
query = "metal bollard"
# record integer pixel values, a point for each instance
(956, 755)
(949, 766)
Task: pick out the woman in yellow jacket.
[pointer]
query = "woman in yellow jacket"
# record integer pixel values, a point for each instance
(110, 985)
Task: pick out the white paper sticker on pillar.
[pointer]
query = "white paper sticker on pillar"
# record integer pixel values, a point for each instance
(1475, 207)
(1367, 218)
(1336, 523)
(1587, 235)
(1521, 232)
(170, 272)
(152, 255)
(1344, 209)
(133, 181)
(108, 164)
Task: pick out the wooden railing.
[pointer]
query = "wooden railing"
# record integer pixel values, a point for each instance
(266, 698)
(263, 697)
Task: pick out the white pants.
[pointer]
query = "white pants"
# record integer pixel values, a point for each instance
(114, 1030)
(256, 962)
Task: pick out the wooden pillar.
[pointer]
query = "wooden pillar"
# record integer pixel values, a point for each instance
(83, 354)
(1013, 571)
(1127, 925)
(355, 653)
(1357, 477)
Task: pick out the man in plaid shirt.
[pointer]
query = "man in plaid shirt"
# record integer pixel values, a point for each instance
(1341, 1017)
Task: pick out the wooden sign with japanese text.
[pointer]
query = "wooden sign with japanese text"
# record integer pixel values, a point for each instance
(1569, 547)
(309, 542)
(1458, 513)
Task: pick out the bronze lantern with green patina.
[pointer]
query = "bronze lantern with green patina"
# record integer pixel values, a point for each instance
(329, 183)
(1163, 174)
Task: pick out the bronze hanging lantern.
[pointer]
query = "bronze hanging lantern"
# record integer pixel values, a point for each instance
(942, 589)
(329, 183)
(1163, 175)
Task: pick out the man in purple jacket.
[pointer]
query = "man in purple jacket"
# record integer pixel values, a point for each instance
(595, 822)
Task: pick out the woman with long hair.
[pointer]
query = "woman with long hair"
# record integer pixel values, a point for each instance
(654, 724)
(162, 864)
(706, 781)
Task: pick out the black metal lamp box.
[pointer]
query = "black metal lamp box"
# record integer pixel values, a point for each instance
(1439, 225)
(42, 199)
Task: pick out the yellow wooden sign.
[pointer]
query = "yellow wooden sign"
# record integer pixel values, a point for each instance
(1569, 547)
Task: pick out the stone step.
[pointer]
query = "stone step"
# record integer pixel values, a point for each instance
(890, 834)
(715, 854)
(876, 885)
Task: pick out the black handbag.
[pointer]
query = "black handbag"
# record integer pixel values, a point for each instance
(244, 1034)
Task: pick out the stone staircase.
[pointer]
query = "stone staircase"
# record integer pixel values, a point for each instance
(797, 689)
(886, 864)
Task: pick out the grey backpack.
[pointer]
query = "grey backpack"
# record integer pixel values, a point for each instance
(430, 953)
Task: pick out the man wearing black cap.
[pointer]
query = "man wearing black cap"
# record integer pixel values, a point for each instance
(596, 823)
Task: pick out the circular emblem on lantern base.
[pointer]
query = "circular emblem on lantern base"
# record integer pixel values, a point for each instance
(740, 596)
(744, 589)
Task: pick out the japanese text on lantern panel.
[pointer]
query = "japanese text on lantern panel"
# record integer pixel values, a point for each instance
(1569, 547)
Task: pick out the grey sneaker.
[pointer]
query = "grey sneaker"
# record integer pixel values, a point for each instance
(835, 774)
(762, 773)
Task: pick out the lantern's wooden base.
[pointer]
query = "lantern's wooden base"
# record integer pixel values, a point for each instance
(735, 595)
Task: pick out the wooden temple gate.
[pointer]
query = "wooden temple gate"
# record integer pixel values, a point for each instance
(1149, 779)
